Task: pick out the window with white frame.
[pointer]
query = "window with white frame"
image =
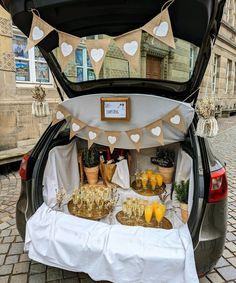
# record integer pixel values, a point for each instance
(31, 67)
(228, 71)
(214, 72)
(83, 65)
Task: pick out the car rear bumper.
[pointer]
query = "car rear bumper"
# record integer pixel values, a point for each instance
(211, 237)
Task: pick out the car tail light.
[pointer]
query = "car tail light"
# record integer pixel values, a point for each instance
(218, 186)
(23, 167)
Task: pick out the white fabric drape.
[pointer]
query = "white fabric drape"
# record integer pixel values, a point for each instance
(61, 171)
(117, 253)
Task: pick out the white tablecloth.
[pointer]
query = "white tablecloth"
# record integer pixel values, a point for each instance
(115, 253)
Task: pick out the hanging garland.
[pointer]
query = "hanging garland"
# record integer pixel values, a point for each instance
(129, 43)
(174, 118)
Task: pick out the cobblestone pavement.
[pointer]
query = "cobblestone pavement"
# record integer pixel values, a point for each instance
(15, 266)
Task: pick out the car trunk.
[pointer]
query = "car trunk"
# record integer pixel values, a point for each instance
(59, 166)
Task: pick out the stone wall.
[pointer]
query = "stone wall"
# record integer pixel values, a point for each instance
(17, 125)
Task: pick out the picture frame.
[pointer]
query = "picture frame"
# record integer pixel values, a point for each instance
(115, 109)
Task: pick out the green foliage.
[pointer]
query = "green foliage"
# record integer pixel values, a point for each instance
(181, 190)
(91, 157)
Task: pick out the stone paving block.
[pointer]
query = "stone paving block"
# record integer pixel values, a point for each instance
(37, 268)
(215, 277)
(232, 261)
(54, 274)
(11, 259)
(231, 246)
(228, 272)
(4, 279)
(230, 237)
(222, 262)
(86, 280)
(9, 239)
(5, 233)
(3, 226)
(24, 257)
(69, 274)
(2, 258)
(21, 267)
(20, 278)
(14, 232)
(4, 248)
(70, 280)
(227, 254)
(19, 239)
(37, 278)
(6, 269)
(12, 221)
(16, 248)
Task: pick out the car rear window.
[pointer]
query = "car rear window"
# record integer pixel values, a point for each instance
(156, 61)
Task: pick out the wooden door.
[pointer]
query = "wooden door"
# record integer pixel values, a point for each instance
(153, 67)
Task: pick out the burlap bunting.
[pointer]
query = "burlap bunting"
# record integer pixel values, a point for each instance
(75, 126)
(175, 119)
(92, 135)
(61, 114)
(129, 44)
(112, 138)
(160, 28)
(39, 30)
(135, 137)
(97, 50)
(156, 130)
(67, 46)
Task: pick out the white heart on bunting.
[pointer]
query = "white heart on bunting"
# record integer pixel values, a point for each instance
(161, 30)
(37, 33)
(156, 131)
(111, 139)
(60, 115)
(97, 54)
(135, 138)
(66, 49)
(92, 135)
(175, 120)
(131, 47)
(75, 127)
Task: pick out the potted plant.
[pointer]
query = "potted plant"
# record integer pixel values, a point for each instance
(91, 161)
(181, 191)
(165, 162)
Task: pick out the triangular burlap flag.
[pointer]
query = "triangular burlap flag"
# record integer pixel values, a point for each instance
(75, 126)
(97, 50)
(129, 43)
(160, 28)
(156, 130)
(61, 114)
(39, 30)
(175, 119)
(135, 136)
(67, 46)
(112, 138)
(92, 136)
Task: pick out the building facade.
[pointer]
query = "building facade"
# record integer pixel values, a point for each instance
(220, 79)
(21, 71)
